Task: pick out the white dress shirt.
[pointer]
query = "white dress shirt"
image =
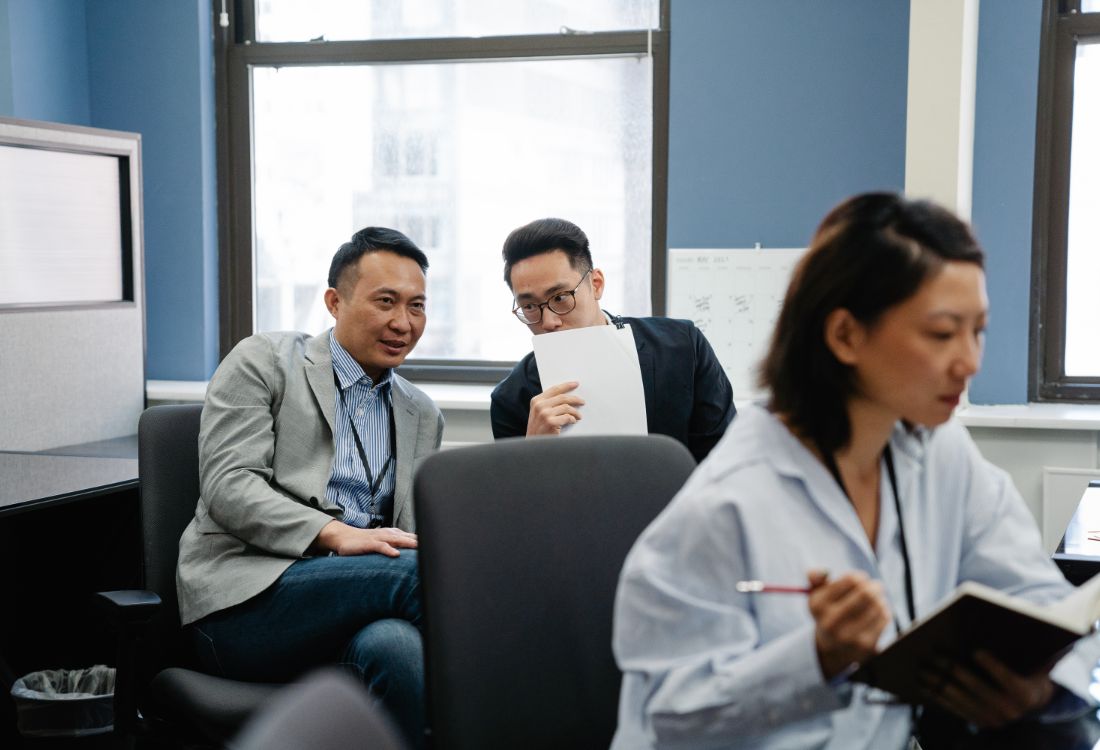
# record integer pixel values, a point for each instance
(705, 666)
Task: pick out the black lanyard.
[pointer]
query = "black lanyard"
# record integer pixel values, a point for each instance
(915, 712)
(372, 487)
(888, 457)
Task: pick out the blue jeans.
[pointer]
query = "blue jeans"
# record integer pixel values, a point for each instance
(359, 611)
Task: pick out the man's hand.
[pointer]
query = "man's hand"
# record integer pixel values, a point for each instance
(990, 696)
(850, 613)
(339, 537)
(554, 408)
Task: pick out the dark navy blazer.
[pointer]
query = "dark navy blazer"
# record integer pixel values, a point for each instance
(687, 394)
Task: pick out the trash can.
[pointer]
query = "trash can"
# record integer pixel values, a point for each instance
(65, 702)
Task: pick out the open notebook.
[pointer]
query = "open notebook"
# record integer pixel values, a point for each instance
(1025, 636)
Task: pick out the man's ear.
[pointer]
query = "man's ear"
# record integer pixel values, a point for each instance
(844, 335)
(597, 282)
(332, 302)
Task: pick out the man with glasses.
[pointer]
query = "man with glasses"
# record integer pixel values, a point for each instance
(302, 549)
(548, 267)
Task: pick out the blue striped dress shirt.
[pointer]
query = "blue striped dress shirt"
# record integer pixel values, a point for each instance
(368, 405)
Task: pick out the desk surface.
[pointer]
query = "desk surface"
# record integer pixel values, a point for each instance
(61, 475)
(120, 447)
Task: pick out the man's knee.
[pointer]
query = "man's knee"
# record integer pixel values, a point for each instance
(387, 650)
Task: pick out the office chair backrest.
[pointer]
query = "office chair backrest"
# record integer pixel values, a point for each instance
(521, 545)
(168, 470)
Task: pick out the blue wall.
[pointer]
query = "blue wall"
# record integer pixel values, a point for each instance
(144, 67)
(1004, 170)
(5, 59)
(150, 72)
(779, 110)
(48, 58)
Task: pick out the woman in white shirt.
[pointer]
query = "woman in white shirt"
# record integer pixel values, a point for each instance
(856, 468)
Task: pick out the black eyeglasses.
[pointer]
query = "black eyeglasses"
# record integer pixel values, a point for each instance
(561, 303)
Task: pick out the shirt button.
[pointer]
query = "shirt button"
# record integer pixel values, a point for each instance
(359, 413)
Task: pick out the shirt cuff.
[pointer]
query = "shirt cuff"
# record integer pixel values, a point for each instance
(1064, 706)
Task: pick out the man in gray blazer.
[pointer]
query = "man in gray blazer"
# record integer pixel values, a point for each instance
(302, 549)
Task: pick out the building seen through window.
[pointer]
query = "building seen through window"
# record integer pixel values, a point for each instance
(1065, 358)
(454, 154)
(1083, 236)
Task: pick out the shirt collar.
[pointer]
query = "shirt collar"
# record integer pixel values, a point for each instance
(614, 320)
(777, 445)
(348, 371)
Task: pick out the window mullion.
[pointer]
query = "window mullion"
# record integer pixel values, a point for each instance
(445, 49)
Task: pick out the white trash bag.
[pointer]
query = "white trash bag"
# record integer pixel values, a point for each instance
(65, 702)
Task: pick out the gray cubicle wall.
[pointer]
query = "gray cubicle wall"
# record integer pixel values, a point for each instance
(72, 328)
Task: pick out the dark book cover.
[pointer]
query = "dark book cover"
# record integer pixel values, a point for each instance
(966, 625)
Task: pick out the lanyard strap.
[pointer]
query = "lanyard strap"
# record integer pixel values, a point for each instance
(372, 488)
(888, 458)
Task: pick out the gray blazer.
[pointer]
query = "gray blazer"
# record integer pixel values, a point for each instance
(265, 456)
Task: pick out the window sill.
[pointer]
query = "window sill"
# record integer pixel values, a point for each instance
(1033, 416)
(475, 397)
(447, 396)
(175, 391)
(458, 396)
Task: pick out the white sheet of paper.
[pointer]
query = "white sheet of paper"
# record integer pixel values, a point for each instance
(604, 360)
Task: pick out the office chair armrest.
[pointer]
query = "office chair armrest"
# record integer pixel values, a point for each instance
(129, 614)
(126, 609)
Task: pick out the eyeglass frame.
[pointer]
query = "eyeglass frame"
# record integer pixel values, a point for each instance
(573, 295)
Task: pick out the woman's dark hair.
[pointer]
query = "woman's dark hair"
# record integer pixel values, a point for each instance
(371, 240)
(871, 252)
(544, 236)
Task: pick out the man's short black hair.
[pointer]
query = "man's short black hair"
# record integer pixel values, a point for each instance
(544, 236)
(371, 240)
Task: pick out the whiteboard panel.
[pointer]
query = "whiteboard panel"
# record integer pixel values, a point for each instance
(60, 227)
(733, 296)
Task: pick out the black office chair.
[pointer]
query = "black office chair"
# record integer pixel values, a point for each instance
(327, 710)
(521, 544)
(157, 672)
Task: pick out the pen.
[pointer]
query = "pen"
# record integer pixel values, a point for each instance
(759, 587)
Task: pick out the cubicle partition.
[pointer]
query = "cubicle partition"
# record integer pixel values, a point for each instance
(72, 308)
(72, 386)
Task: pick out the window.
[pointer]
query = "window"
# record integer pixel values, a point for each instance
(453, 122)
(1066, 266)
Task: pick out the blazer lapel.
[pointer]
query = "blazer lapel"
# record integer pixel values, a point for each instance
(320, 377)
(406, 421)
(649, 380)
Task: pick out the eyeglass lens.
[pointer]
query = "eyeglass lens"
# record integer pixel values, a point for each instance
(559, 304)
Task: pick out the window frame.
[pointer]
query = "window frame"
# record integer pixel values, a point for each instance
(1062, 25)
(236, 49)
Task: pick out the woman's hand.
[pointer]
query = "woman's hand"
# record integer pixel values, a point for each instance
(850, 613)
(990, 696)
